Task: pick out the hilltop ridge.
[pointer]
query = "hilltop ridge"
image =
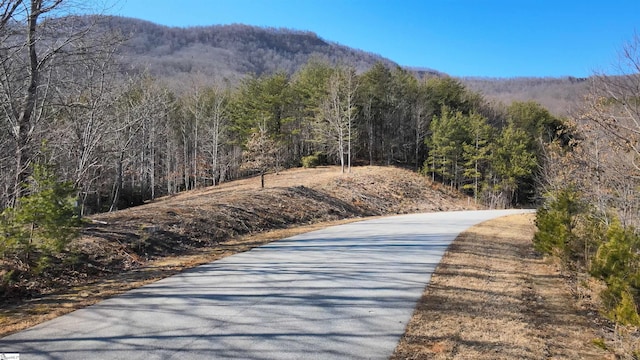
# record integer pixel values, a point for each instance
(234, 51)
(225, 51)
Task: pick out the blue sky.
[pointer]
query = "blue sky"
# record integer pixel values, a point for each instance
(491, 38)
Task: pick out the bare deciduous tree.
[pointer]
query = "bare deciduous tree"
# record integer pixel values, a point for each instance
(35, 46)
(614, 101)
(335, 126)
(261, 153)
(203, 130)
(604, 162)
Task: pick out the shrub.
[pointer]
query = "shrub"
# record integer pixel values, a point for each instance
(314, 160)
(41, 224)
(618, 256)
(556, 222)
(620, 303)
(617, 262)
(609, 252)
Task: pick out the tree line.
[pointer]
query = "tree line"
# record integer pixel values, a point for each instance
(112, 139)
(123, 141)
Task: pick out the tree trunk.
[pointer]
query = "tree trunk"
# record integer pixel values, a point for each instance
(23, 127)
(117, 186)
(349, 150)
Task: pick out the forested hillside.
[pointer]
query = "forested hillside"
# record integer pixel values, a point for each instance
(234, 51)
(84, 132)
(224, 51)
(561, 96)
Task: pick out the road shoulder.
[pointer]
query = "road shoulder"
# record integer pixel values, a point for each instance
(492, 297)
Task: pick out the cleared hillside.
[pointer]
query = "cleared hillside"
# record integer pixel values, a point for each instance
(128, 248)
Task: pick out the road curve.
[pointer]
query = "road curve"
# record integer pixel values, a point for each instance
(345, 292)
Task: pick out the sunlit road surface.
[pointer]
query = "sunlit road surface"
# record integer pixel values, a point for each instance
(345, 292)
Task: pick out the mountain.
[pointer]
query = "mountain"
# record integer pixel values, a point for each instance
(233, 51)
(560, 95)
(226, 51)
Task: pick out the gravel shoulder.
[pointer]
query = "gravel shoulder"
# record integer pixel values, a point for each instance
(493, 297)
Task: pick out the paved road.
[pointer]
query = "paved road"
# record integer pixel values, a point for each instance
(345, 292)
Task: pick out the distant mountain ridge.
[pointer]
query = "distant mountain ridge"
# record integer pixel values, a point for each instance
(227, 51)
(234, 51)
(561, 96)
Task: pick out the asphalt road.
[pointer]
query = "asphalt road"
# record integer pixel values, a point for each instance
(345, 292)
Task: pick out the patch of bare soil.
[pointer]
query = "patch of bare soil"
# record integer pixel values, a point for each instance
(492, 297)
(125, 249)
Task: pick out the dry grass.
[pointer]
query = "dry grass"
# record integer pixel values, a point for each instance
(129, 248)
(492, 297)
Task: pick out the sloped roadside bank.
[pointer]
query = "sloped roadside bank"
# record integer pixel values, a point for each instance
(129, 248)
